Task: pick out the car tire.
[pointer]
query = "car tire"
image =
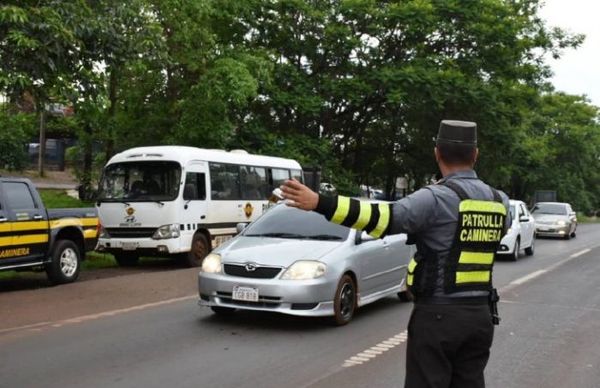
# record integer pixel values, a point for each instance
(198, 251)
(126, 259)
(530, 249)
(344, 302)
(573, 234)
(222, 310)
(65, 264)
(515, 255)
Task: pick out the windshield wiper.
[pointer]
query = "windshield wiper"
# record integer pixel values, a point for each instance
(324, 237)
(277, 235)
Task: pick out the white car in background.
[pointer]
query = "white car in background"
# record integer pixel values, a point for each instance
(521, 234)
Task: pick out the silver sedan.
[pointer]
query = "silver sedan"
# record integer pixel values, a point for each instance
(295, 262)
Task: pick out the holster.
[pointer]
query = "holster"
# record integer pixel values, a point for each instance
(493, 302)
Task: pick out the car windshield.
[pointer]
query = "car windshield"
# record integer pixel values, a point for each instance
(286, 222)
(549, 208)
(512, 212)
(140, 181)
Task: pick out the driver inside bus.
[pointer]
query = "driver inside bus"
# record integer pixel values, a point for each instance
(147, 186)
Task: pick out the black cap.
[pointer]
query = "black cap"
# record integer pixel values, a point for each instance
(457, 132)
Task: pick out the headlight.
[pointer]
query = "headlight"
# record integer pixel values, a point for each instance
(212, 263)
(509, 230)
(166, 231)
(304, 269)
(561, 223)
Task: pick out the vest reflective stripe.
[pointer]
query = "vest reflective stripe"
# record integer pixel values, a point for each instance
(364, 216)
(384, 220)
(341, 212)
(472, 277)
(466, 257)
(473, 205)
(409, 279)
(412, 265)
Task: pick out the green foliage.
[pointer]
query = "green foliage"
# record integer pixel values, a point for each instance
(356, 87)
(15, 132)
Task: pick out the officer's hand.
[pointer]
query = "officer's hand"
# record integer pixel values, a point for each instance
(298, 195)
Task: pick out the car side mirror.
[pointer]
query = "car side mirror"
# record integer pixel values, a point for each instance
(363, 237)
(524, 219)
(241, 226)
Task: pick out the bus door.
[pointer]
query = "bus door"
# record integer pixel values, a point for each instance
(194, 198)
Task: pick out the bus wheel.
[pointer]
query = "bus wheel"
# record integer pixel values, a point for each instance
(198, 251)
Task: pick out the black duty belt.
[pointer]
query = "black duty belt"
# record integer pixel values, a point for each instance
(448, 300)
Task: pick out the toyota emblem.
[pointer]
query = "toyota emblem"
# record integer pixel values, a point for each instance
(250, 267)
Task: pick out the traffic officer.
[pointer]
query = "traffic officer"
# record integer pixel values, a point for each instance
(457, 225)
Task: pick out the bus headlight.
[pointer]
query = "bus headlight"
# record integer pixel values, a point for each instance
(166, 231)
(304, 270)
(212, 263)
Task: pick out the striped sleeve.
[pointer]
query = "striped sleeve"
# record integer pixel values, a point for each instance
(373, 218)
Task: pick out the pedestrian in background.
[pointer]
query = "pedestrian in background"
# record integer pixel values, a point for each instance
(457, 225)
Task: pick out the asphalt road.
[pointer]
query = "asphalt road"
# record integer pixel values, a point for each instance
(548, 337)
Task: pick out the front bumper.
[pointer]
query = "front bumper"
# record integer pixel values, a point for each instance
(310, 298)
(145, 246)
(552, 230)
(507, 245)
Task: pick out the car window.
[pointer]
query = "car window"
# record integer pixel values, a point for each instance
(523, 210)
(18, 196)
(549, 208)
(286, 222)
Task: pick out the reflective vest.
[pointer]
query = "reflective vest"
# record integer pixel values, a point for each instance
(467, 266)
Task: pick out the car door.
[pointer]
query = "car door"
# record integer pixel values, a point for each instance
(30, 229)
(527, 226)
(380, 266)
(5, 232)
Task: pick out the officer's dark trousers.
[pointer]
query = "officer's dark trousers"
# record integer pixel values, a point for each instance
(448, 346)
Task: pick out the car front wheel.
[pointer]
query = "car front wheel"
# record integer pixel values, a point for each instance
(344, 304)
(65, 264)
(530, 249)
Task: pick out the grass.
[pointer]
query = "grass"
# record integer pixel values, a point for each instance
(59, 199)
(581, 218)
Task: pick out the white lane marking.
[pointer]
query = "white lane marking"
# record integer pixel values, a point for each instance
(32, 327)
(526, 278)
(377, 350)
(551, 268)
(583, 252)
(91, 317)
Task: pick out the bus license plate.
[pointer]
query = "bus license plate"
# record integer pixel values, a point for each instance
(248, 294)
(129, 246)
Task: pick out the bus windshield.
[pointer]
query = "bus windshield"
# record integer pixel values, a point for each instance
(140, 182)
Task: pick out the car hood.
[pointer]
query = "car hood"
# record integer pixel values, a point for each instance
(549, 218)
(275, 251)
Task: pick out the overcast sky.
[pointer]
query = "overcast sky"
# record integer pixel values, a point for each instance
(577, 71)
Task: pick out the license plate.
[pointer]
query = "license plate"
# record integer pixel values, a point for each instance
(129, 246)
(248, 294)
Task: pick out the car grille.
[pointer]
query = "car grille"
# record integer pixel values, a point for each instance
(258, 273)
(546, 222)
(131, 232)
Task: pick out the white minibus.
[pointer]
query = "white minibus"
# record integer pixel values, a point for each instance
(184, 201)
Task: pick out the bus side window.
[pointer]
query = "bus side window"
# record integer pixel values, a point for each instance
(224, 181)
(278, 176)
(195, 186)
(297, 174)
(253, 181)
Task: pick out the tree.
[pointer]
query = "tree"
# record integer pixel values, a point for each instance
(40, 53)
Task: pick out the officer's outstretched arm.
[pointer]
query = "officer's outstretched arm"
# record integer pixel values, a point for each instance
(373, 218)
